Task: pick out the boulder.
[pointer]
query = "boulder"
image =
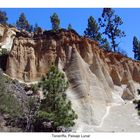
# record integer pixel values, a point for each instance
(127, 95)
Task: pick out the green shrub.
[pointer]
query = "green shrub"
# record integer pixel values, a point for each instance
(34, 88)
(3, 52)
(137, 103)
(56, 107)
(9, 104)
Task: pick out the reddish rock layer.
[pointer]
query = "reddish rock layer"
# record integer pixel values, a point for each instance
(30, 57)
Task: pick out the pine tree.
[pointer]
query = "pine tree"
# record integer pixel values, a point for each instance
(111, 22)
(3, 18)
(69, 27)
(31, 28)
(92, 30)
(22, 23)
(55, 22)
(137, 103)
(105, 44)
(37, 29)
(56, 107)
(136, 48)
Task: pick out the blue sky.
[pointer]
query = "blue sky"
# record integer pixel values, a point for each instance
(78, 18)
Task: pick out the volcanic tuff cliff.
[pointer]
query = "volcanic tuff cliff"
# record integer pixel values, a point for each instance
(93, 73)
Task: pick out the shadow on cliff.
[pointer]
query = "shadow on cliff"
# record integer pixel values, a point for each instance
(3, 61)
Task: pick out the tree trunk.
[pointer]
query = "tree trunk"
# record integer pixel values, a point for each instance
(113, 43)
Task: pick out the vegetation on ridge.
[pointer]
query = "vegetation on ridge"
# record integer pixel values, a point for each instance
(3, 17)
(22, 23)
(55, 21)
(93, 32)
(136, 48)
(111, 22)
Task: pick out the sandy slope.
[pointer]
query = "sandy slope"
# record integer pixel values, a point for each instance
(118, 118)
(121, 118)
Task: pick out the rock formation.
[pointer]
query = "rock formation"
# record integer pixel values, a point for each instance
(92, 72)
(127, 95)
(115, 77)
